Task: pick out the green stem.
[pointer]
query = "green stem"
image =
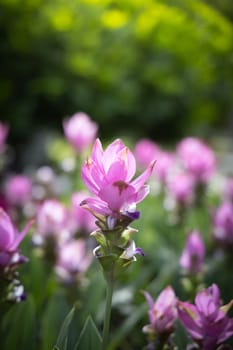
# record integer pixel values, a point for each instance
(107, 312)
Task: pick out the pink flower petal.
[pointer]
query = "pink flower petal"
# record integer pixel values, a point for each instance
(20, 236)
(117, 194)
(96, 205)
(140, 180)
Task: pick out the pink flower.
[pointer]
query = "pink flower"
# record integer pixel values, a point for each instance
(164, 165)
(10, 239)
(18, 190)
(80, 131)
(72, 259)
(223, 223)
(52, 217)
(181, 187)
(193, 254)
(145, 152)
(108, 175)
(4, 129)
(197, 158)
(206, 321)
(163, 312)
(82, 220)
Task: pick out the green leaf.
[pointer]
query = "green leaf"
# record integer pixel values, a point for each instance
(89, 338)
(61, 342)
(19, 326)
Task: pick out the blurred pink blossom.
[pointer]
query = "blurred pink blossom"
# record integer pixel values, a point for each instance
(193, 255)
(80, 131)
(164, 165)
(52, 217)
(198, 158)
(145, 152)
(18, 190)
(73, 259)
(181, 187)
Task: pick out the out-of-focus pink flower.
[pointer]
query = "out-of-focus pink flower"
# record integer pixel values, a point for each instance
(52, 217)
(206, 321)
(193, 255)
(197, 158)
(108, 175)
(80, 131)
(10, 239)
(165, 163)
(181, 187)
(82, 220)
(162, 313)
(4, 129)
(145, 152)
(223, 223)
(72, 259)
(18, 190)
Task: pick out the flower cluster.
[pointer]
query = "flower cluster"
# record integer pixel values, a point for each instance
(57, 227)
(206, 321)
(182, 175)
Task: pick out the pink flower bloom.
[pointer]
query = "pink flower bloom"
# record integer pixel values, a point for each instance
(72, 260)
(10, 239)
(52, 217)
(206, 321)
(181, 187)
(18, 190)
(163, 312)
(81, 219)
(223, 223)
(108, 175)
(193, 254)
(145, 152)
(197, 158)
(4, 129)
(80, 131)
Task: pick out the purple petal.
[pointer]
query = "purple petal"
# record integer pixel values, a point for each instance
(188, 315)
(139, 251)
(133, 215)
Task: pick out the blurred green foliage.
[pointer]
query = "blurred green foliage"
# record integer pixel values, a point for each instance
(157, 68)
